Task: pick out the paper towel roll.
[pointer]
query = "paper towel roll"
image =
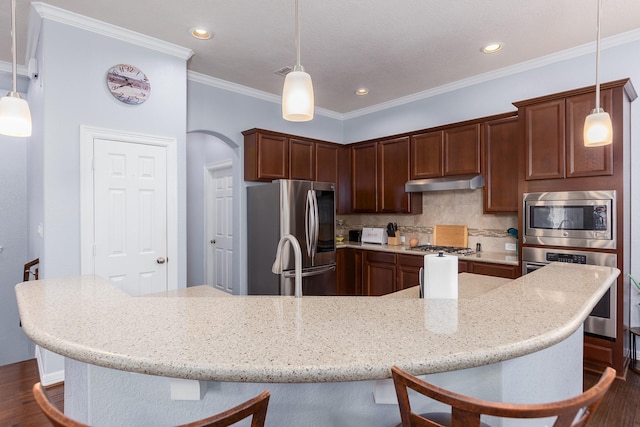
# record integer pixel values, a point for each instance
(440, 276)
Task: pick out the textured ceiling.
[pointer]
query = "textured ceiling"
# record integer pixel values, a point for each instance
(394, 48)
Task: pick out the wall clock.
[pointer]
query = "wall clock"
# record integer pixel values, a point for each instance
(128, 84)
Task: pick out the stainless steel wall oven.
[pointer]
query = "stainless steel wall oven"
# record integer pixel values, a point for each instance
(602, 320)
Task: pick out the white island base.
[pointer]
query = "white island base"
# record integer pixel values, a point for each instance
(108, 397)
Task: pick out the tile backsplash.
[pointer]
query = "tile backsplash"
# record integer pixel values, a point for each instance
(455, 207)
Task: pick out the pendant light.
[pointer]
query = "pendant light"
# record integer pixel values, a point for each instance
(15, 117)
(297, 94)
(597, 126)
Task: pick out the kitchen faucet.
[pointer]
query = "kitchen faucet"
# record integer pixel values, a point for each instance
(297, 253)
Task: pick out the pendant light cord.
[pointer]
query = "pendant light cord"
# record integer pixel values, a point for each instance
(597, 57)
(13, 44)
(298, 66)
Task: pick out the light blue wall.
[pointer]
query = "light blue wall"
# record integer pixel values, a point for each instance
(74, 63)
(14, 345)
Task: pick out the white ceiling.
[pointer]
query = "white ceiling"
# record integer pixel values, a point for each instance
(394, 48)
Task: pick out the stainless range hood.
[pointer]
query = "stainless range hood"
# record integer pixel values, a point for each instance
(462, 182)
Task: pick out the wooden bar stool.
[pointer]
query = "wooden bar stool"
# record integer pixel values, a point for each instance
(466, 411)
(256, 407)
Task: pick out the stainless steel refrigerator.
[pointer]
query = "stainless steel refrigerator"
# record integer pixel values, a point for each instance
(304, 209)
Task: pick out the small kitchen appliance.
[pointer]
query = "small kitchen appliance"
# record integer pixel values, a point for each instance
(583, 219)
(355, 235)
(374, 235)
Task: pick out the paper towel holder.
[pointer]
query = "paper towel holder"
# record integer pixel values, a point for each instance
(421, 278)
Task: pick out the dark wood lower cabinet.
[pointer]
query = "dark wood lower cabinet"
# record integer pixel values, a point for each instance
(600, 353)
(349, 271)
(489, 269)
(379, 273)
(408, 270)
(373, 273)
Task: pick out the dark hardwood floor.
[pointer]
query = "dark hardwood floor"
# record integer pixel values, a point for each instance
(17, 406)
(620, 408)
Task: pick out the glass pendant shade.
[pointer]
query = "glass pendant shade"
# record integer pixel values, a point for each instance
(15, 117)
(597, 129)
(297, 97)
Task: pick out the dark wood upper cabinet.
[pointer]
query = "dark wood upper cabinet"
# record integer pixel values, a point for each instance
(302, 159)
(333, 164)
(581, 160)
(462, 150)
(553, 135)
(364, 182)
(326, 162)
(500, 145)
(266, 156)
(544, 140)
(393, 173)
(343, 201)
(426, 155)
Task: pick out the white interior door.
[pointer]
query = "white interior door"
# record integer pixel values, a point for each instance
(130, 215)
(220, 227)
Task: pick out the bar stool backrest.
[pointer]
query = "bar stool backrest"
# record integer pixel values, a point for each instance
(255, 407)
(466, 411)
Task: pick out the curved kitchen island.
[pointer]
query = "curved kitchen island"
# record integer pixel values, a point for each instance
(326, 360)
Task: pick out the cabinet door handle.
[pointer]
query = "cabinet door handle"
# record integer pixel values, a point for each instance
(161, 260)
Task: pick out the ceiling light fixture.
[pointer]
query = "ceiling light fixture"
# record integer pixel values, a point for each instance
(362, 91)
(597, 126)
(297, 93)
(200, 33)
(15, 117)
(492, 48)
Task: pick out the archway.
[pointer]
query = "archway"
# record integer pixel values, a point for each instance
(206, 151)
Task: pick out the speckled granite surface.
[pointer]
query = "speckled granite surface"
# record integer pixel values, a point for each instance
(507, 258)
(309, 339)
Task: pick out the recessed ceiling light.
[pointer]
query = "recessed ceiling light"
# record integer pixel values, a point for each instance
(362, 91)
(492, 47)
(200, 33)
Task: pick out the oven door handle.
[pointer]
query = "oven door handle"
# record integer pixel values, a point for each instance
(530, 267)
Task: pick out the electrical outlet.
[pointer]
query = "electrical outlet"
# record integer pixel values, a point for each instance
(509, 246)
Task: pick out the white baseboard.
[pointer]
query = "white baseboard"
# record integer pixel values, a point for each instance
(47, 378)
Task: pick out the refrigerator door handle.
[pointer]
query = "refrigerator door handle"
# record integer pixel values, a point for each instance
(316, 222)
(307, 224)
(310, 272)
(311, 223)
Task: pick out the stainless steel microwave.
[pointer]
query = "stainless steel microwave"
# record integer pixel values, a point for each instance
(582, 219)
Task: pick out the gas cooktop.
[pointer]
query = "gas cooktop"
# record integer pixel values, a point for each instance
(445, 249)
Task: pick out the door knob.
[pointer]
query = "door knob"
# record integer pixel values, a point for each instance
(161, 260)
(213, 241)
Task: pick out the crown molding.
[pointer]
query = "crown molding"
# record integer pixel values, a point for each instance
(255, 93)
(45, 11)
(610, 42)
(7, 67)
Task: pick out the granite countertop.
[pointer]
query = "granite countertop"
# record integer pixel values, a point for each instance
(200, 334)
(507, 258)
